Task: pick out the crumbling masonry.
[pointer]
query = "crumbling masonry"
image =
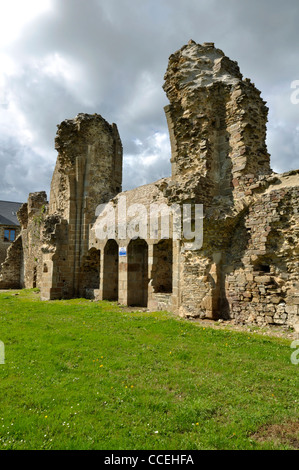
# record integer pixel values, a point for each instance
(247, 268)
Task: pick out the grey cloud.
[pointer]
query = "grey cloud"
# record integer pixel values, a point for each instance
(285, 144)
(118, 52)
(21, 168)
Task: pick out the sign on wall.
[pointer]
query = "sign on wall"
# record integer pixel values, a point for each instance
(122, 251)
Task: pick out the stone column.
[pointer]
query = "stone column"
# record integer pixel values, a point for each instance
(123, 274)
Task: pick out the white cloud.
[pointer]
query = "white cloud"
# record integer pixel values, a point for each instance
(15, 14)
(153, 158)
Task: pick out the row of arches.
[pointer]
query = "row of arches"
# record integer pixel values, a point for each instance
(101, 271)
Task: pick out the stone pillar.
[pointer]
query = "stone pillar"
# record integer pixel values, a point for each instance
(216, 121)
(88, 172)
(151, 301)
(123, 274)
(176, 276)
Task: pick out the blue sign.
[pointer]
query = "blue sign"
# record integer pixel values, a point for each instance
(122, 251)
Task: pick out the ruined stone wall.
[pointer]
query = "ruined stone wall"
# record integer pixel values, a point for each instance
(32, 216)
(217, 123)
(247, 268)
(4, 245)
(262, 270)
(88, 172)
(11, 269)
(252, 273)
(23, 263)
(89, 165)
(54, 237)
(136, 277)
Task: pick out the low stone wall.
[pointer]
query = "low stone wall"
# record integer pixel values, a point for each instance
(264, 289)
(11, 276)
(160, 302)
(4, 245)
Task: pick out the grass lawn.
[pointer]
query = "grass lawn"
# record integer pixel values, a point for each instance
(89, 375)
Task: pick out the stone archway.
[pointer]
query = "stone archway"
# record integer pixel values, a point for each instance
(138, 273)
(110, 271)
(90, 274)
(162, 267)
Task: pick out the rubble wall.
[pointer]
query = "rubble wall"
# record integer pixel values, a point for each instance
(4, 245)
(87, 173)
(23, 263)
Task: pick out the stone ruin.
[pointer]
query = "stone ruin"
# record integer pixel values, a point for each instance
(247, 267)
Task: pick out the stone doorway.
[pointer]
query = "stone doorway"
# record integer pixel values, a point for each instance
(138, 273)
(162, 267)
(90, 274)
(34, 279)
(110, 271)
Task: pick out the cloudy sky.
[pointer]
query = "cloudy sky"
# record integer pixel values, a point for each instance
(62, 57)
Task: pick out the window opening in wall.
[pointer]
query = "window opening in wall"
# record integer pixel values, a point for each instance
(9, 235)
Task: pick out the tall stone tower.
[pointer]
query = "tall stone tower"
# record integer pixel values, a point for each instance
(217, 124)
(88, 172)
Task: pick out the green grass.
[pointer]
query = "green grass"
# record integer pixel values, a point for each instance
(89, 375)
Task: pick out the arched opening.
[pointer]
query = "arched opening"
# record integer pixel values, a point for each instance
(162, 267)
(138, 273)
(34, 279)
(110, 271)
(90, 273)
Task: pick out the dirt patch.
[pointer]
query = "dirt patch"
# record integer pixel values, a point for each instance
(133, 309)
(280, 434)
(269, 330)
